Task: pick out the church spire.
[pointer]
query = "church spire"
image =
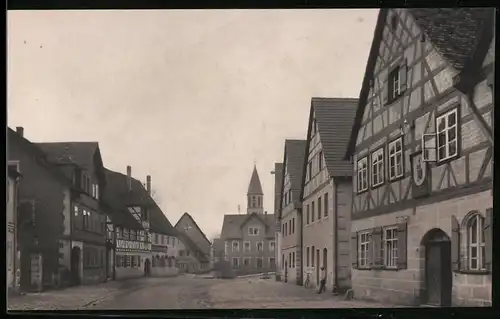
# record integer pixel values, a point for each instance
(254, 188)
(255, 196)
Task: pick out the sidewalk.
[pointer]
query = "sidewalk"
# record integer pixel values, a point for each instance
(77, 297)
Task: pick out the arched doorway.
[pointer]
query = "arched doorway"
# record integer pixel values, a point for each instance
(437, 269)
(147, 267)
(75, 265)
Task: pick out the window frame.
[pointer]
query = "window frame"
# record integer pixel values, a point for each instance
(394, 78)
(363, 247)
(390, 256)
(380, 155)
(446, 131)
(272, 244)
(237, 250)
(237, 265)
(249, 246)
(257, 246)
(479, 245)
(396, 154)
(359, 175)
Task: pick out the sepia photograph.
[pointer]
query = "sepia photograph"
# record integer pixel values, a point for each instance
(183, 159)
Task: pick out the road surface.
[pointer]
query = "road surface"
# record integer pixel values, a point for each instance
(184, 292)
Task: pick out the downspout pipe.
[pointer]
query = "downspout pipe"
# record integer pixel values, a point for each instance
(335, 237)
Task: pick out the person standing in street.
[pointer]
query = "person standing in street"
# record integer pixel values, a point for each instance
(322, 283)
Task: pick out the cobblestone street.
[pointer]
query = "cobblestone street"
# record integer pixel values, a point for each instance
(184, 292)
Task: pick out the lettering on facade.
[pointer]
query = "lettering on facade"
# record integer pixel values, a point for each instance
(132, 245)
(11, 227)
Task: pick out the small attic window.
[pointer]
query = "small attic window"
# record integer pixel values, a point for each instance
(394, 22)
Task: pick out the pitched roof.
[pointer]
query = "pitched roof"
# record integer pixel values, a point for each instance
(454, 32)
(294, 156)
(254, 187)
(15, 138)
(195, 224)
(80, 153)
(334, 117)
(188, 242)
(231, 226)
(118, 196)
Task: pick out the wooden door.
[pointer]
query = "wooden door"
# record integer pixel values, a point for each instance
(438, 273)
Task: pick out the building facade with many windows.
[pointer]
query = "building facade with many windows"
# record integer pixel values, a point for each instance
(421, 149)
(290, 212)
(325, 193)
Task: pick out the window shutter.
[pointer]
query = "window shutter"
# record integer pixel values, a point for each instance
(377, 247)
(385, 92)
(488, 238)
(354, 250)
(402, 245)
(455, 244)
(403, 76)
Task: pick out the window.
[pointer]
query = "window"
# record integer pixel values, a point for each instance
(390, 247)
(86, 217)
(293, 225)
(246, 261)
(396, 158)
(362, 174)
(378, 167)
(181, 252)
(364, 244)
(394, 22)
(97, 191)
(236, 262)
(394, 84)
(76, 209)
(319, 207)
(236, 246)
(283, 261)
(289, 260)
(307, 256)
(307, 214)
(253, 231)
(133, 234)
(258, 201)
(272, 245)
(312, 212)
(156, 239)
(312, 256)
(320, 160)
(289, 227)
(118, 232)
(260, 246)
(309, 170)
(259, 262)
(125, 233)
(253, 202)
(476, 243)
(447, 135)
(293, 260)
(325, 205)
(246, 246)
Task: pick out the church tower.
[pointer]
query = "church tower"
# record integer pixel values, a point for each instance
(255, 196)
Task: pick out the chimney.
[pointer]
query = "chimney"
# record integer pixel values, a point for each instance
(20, 130)
(148, 184)
(129, 177)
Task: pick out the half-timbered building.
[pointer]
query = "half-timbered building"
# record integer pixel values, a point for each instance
(132, 240)
(421, 150)
(325, 192)
(290, 212)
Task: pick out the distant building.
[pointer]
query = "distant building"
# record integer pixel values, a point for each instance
(190, 228)
(190, 258)
(290, 212)
(249, 243)
(278, 184)
(141, 248)
(326, 192)
(12, 262)
(422, 152)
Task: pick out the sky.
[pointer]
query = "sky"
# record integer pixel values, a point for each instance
(191, 97)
